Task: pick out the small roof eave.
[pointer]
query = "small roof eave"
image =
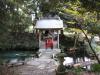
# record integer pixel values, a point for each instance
(49, 24)
(49, 28)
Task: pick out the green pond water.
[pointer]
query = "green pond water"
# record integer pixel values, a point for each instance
(20, 55)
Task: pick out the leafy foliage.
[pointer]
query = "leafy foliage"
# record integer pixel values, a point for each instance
(16, 15)
(96, 67)
(15, 19)
(91, 5)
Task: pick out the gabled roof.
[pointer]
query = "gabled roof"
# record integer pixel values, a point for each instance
(49, 24)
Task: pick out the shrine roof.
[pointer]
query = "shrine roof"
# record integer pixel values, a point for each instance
(49, 24)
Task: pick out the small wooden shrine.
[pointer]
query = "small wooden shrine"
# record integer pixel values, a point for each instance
(48, 32)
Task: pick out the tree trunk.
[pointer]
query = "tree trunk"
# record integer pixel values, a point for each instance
(91, 46)
(98, 16)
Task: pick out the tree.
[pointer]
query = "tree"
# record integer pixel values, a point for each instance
(15, 16)
(92, 5)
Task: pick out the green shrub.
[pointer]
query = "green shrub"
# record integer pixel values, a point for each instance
(61, 68)
(95, 67)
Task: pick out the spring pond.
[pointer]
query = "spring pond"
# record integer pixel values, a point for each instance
(7, 56)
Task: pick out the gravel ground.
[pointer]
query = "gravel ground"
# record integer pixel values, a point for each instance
(32, 70)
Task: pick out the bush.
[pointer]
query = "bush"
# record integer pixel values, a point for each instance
(61, 70)
(95, 67)
(78, 70)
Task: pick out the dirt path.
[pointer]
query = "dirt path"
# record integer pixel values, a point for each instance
(44, 65)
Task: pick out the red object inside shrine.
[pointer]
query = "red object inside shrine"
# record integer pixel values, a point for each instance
(49, 43)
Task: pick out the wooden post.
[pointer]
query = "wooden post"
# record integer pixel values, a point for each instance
(39, 39)
(58, 38)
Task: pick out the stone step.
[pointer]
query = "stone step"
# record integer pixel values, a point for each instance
(48, 53)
